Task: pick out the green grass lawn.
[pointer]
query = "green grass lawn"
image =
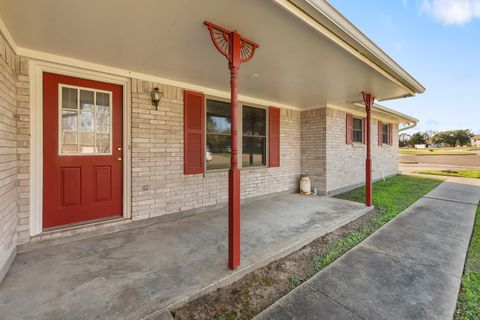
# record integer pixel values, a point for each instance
(390, 196)
(453, 173)
(468, 306)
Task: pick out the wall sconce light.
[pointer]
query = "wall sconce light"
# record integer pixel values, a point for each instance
(156, 95)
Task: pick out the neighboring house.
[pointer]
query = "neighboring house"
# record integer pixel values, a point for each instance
(476, 141)
(81, 141)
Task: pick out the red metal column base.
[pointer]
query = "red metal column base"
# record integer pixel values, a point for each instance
(368, 186)
(233, 218)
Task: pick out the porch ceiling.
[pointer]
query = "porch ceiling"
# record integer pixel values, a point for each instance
(295, 65)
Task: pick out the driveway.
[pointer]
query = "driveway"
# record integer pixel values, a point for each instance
(409, 269)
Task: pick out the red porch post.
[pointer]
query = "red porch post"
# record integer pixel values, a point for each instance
(368, 100)
(237, 50)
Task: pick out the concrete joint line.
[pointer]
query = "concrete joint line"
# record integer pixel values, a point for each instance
(448, 200)
(422, 230)
(410, 260)
(334, 301)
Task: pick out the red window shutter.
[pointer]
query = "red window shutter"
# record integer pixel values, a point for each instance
(364, 128)
(194, 130)
(390, 137)
(349, 129)
(273, 137)
(380, 133)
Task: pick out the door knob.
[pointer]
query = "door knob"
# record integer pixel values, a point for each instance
(119, 158)
(119, 149)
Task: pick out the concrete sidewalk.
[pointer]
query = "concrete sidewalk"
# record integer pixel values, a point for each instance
(409, 269)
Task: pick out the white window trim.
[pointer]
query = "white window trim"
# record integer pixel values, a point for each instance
(36, 70)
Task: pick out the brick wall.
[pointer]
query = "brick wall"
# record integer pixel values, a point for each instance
(313, 144)
(158, 184)
(346, 163)
(23, 149)
(8, 155)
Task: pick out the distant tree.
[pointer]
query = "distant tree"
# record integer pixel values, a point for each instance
(462, 137)
(403, 140)
(417, 138)
(429, 134)
(453, 138)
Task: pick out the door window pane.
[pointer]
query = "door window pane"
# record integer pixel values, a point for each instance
(103, 119)
(86, 142)
(103, 143)
(85, 127)
(86, 100)
(69, 98)
(86, 121)
(254, 137)
(70, 143)
(218, 135)
(69, 120)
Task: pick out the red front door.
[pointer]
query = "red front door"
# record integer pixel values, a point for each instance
(82, 150)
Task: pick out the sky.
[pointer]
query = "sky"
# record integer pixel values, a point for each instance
(438, 43)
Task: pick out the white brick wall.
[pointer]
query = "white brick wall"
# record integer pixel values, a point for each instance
(23, 149)
(346, 163)
(157, 159)
(8, 153)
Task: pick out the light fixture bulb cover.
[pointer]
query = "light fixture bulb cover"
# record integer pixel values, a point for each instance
(156, 95)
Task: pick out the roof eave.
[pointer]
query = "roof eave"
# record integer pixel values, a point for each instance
(327, 16)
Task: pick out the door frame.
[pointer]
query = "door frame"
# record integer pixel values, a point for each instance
(36, 70)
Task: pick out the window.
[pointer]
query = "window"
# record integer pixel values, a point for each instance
(217, 153)
(85, 121)
(254, 137)
(385, 133)
(357, 130)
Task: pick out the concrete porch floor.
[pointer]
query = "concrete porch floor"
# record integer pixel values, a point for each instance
(133, 273)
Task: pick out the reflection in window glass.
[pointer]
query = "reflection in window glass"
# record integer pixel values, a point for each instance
(254, 137)
(385, 132)
(69, 98)
(85, 127)
(86, 121)
(86, 100)
(357, 130)
(218, 135)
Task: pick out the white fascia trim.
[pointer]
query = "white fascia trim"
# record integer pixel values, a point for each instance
(8, 36)
(289, 6)
(66, 61)
(402, 117)
(377, 114)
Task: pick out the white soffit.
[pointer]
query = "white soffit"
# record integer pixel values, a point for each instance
(295, 65)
